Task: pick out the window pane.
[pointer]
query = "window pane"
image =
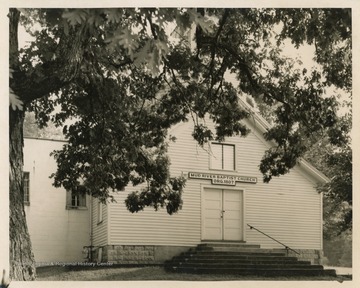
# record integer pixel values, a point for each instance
(26, 183)
(74, 200)
(216, 157)
(82, 200)
(100, 211)
(78, 200)
(229, 157)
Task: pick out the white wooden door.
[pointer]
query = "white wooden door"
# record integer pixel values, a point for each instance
(222, 215)
(232, 215)
(213, 224)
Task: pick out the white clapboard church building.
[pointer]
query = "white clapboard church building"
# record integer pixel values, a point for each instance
(223, 197)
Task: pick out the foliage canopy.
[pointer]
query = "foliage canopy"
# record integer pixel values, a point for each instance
(125, 76)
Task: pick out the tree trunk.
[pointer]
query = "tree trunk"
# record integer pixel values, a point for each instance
(22, 263)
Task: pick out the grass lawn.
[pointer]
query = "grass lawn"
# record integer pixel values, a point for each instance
(59, 273)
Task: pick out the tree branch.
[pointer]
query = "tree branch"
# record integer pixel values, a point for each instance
(153, 30)
(54, 74)
(216, 38)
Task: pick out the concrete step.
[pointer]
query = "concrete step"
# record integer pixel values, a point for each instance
(247, 265)
(237, 257)
(250, 252)
(242, 259)
(227, 245)
(257, 271)
(240, 262)
(238, 249)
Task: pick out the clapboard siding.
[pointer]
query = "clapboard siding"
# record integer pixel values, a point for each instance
(158, 228)
(155, 228)
(99, 230)
(288, 208)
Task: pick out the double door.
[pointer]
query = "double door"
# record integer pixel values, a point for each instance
(222, 215)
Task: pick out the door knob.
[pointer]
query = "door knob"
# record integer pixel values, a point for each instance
(222, 213)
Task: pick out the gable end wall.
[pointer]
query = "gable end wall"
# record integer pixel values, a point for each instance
(288, 208)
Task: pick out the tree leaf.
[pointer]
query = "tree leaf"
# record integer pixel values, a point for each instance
(113, 15)
(124, 37)
(15, 101)
(75, 16)
(205, 24)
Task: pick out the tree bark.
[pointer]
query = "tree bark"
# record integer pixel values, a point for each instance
(22, 262)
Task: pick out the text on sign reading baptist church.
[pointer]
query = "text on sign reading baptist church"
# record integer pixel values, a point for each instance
(221, 179)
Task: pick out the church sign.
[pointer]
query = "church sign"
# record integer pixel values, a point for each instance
(221, 179)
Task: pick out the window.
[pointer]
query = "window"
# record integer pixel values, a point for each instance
(100, 212)
(223, 156)
(26, 185)
(75, 200)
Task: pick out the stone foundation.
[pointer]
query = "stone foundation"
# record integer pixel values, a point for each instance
(153, 254)
(136, 254)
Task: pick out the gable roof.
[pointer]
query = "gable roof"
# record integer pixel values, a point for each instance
(260, 125)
